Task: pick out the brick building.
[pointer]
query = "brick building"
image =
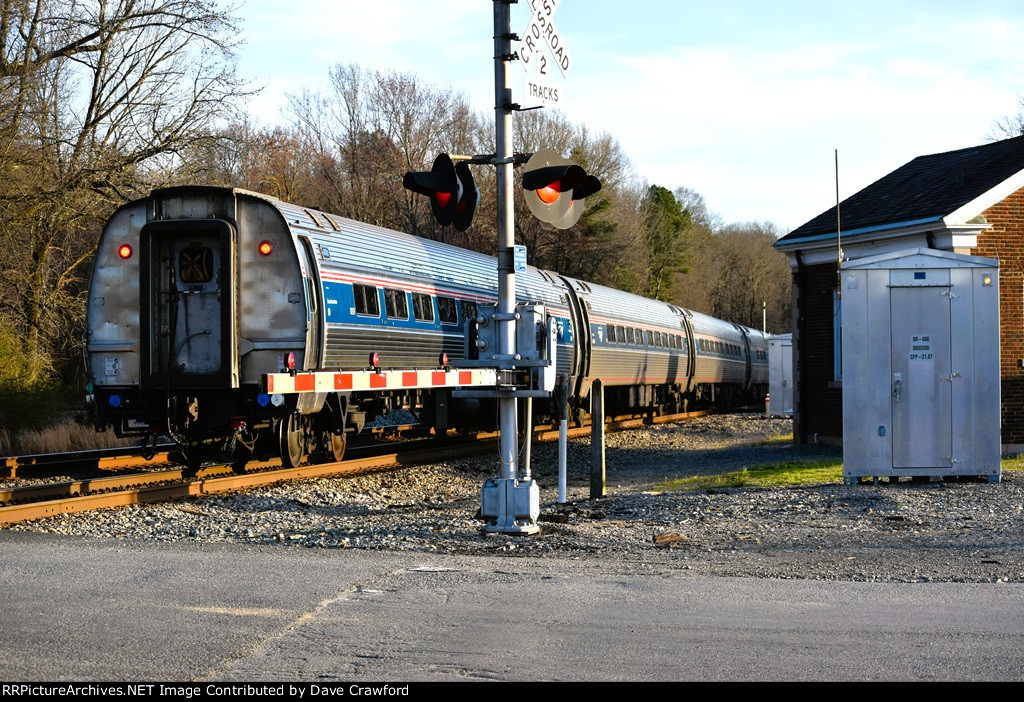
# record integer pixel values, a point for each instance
(969, 201)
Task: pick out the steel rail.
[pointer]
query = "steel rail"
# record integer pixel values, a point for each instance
(212, 480)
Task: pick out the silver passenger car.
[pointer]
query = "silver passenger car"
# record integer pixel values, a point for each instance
(198, 292)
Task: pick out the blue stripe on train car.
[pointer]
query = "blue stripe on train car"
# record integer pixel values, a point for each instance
(339, 301)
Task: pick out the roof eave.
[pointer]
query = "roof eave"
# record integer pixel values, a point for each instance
(989, 198)
(933, 233)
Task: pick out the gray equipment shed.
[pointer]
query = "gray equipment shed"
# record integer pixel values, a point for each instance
(780, 375)
(920, 365)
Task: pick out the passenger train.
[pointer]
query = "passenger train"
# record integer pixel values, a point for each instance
(199, 292)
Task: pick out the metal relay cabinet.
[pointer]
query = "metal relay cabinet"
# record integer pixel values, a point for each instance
(780, 375)
(920, 365)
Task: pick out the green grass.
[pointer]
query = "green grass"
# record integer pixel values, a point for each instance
(819, 472)
(771, 474)
(1014, 463)
(783, 440)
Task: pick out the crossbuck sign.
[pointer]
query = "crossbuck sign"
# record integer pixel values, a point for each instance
(541, 31)
(540, 38)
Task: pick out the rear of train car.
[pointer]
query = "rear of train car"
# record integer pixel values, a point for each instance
(196, 293)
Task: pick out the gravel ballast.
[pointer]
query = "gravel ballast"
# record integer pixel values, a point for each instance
(904, 532)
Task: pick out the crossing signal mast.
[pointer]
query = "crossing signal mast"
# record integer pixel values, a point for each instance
(555, 190)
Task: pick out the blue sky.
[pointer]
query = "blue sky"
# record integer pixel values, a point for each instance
(742, 101)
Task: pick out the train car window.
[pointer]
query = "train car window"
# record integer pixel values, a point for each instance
(468, 309)
(630, 338)
(447, 310)
(609, 333)
(195, 264)
(422, 307)
(367, 302)
(396, 304)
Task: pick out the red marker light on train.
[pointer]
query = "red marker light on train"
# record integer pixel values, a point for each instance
(124, 251)
(374, 360)
(266, 248)
(289, 361)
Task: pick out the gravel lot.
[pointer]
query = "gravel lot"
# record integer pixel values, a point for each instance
(906, 532)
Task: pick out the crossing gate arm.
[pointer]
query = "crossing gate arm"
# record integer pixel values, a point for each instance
(365, 381)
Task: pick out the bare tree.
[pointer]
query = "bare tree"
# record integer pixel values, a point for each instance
(99, 98)
(751, 280)
(1010, 125)
(372, 128)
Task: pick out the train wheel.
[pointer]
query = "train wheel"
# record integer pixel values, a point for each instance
(338, 443)
(291, 441)
(330, 447)
(241, 456)
(193, 462)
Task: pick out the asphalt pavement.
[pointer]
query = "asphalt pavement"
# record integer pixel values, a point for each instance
(82, 609)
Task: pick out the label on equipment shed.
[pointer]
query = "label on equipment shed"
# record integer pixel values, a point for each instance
(921, 348)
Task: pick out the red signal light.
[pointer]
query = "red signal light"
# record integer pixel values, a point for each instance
(266, 248)
(549, 193)
(443, 198)
(124, 251)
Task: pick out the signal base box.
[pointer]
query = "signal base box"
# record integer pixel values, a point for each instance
(920, 365)
(510, 506)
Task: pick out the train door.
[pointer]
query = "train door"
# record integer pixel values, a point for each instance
(691, 353)
(922, 373)
(747, 351)
(188, 305)
(581, 336)
(314, 306)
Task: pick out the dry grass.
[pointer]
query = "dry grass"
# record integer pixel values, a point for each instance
(68, 436)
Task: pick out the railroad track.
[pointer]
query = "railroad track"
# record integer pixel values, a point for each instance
(25, 503)
(97, 462)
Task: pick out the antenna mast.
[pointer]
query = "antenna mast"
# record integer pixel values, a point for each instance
(839, 236)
